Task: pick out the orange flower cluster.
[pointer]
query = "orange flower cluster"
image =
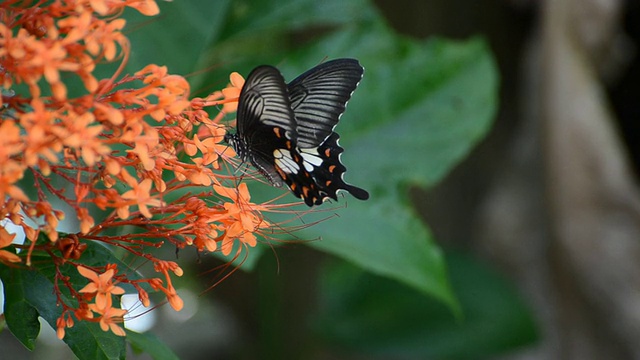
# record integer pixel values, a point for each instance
(113, 147)
(102, 290)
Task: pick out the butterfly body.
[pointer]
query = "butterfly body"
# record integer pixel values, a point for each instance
(286, 131)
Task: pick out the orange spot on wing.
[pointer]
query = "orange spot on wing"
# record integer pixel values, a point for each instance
(277, 131)
(331, 168)
(328, 183)
(327, 153)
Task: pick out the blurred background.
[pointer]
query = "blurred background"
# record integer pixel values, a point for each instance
(536, 219)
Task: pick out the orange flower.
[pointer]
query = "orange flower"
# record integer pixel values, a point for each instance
(10, 141)
(39, 141)
(211, 147)
(101, 285)
(6, 239)
(110, 318)
(11, 170)
(232, 92)
(243, 217)
(61, 324)
(146, 7)
(172, 296)
(175, 301)
(139, 195)
(106, 7)
(83, 134)
(171, 91)
(143, 296)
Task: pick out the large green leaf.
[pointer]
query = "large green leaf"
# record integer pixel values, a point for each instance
(371, 315)
(420, 109)
(440, 102)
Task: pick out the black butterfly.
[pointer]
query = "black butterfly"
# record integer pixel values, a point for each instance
(286, 131)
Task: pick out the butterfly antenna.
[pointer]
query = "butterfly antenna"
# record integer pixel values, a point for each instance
(222, 155)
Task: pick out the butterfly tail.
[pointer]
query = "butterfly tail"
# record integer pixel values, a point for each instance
(358, 193)
(329, 176)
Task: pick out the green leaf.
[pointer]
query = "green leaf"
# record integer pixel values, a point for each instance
(372, 315)
(265, 31)
(21, 317)
(85, 339)
(30, 293)
(419, 110)
(177, 37)
(249, 17)
(422, 106)
(150, 344)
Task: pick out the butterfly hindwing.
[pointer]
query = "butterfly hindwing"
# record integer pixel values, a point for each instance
(262, 153)
(321, 174)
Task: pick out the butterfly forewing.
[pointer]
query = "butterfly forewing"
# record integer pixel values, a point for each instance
(319, 96)
(265, 120)
(264, 101)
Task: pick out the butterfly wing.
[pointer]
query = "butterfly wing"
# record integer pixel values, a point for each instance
(265, 120)
(264, 101)
(319, 97)
(320, 174)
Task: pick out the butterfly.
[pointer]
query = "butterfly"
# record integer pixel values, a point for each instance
(286, 130)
